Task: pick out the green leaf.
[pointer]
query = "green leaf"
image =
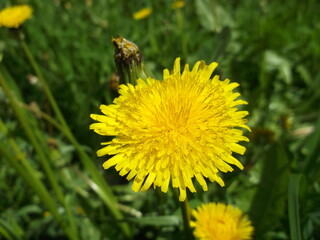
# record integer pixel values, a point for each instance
(9, 229)
(312, 163)
(69, 201)
(5, 233)
(30, 209)
(157, 221)
(212, 16)
(269, 202)
(274, 62)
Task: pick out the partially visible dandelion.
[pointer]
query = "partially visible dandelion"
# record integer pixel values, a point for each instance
(178, 129)
(46, 214)
(80, 210)
(178, 4)
(68, 5)
(88, 3)
(142, 13)
(13, 17)
(221, 222)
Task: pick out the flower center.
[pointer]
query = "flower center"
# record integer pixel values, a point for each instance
(177, 115)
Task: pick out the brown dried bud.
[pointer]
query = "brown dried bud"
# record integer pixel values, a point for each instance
(129, 61)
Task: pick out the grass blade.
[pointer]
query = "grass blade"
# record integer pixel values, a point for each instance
(293, 206)
(268, 204)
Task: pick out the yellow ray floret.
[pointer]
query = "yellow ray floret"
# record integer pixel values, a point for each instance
(221, 222)
(175, 130)
(13, 17)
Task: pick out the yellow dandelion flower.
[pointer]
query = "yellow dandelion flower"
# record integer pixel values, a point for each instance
(217, 221)
(13, 17)
(46, 214)
(178, 129)
(178, 4)
(142, 13)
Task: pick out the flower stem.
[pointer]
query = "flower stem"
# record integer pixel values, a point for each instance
(18, 161)
(109, 200)
(185, 210)
(33, 139)
(43, 83)
(182, 33)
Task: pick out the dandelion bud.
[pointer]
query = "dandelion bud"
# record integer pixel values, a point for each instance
(128, 59)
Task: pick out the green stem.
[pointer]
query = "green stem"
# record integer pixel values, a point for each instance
(313, 148)
(30, 177)
(110, 200)
(181, 33)
(129, 61)
(293, 206)
(43, 83)
(42, 156)
(5, 233)
(185, 210)
(70, 216)
(30, 133)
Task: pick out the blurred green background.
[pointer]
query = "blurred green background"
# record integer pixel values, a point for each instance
(52, 185)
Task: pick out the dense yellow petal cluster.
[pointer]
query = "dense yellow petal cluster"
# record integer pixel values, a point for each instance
(178, 129)
(142, 13)
(217, 221)
(13, 17)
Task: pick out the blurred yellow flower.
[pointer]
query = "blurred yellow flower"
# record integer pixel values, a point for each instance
(217, 221)
(178, 4)
(178, 129)
(89, 3)
(13, 17)
(142, 13)
(46, 214)
(68, 5)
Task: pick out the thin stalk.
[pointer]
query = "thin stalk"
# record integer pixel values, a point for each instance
(32, 121)
(43, 83)
(42, 156)
(181, 33)
(29, 176)
(70, 216)
(21, 159)
(313, 149)
(5, 233)
(185, 210)
(86, 160)
(40, 189)
(293, 206)
(109, 200)
(10, 229)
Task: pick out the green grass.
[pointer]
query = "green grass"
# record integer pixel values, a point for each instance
(52, 185)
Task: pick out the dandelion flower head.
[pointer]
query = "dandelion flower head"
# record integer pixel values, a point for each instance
(142, 13)
(13, 17)
(217, 221)
(182, 128)
(178, 4)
